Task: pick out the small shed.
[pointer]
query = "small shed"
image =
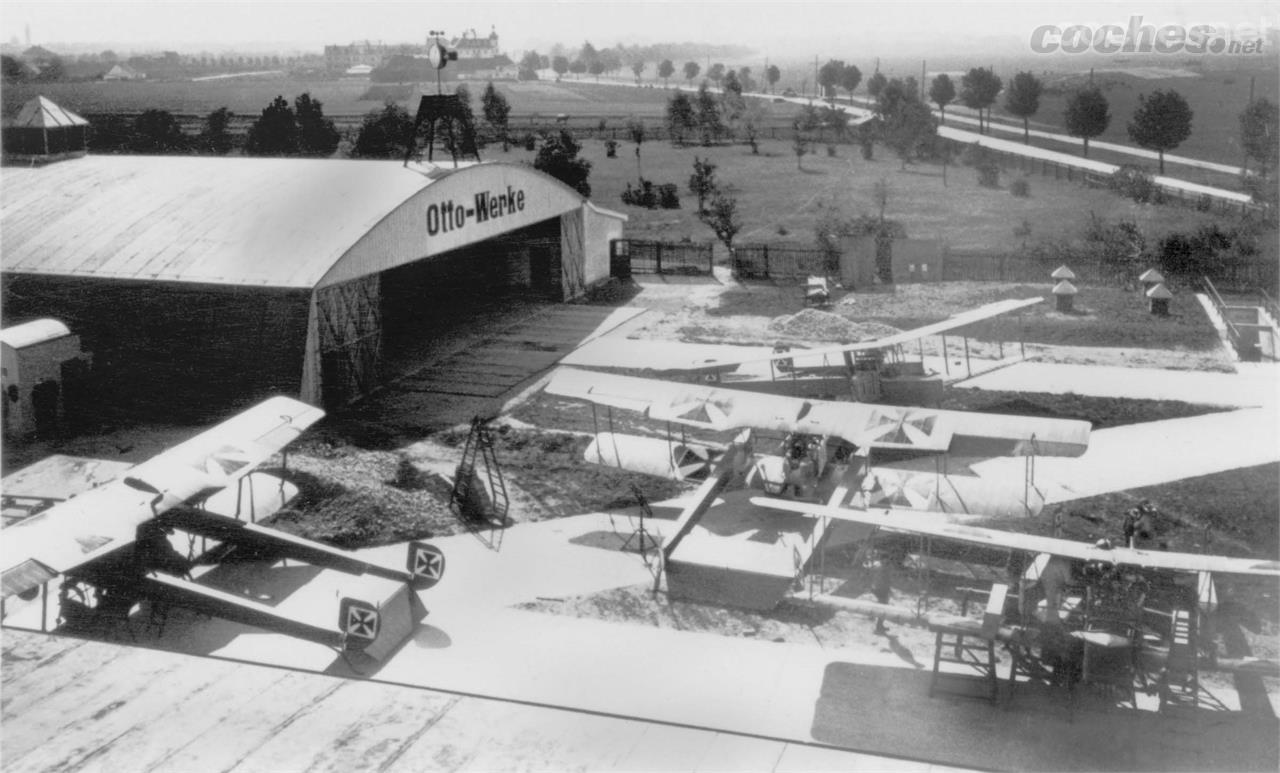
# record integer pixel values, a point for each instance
(123, 72)
(44, 131)
(1158, 297)
(1065, 292)
(1150, 278)
(41, 368)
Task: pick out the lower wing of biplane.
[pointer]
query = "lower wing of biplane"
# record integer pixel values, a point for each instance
(937, 525)
(111, 549)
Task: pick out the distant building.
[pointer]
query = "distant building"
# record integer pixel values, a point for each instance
(123, 72)
(480, 58)
(471, 46)
(342, 58)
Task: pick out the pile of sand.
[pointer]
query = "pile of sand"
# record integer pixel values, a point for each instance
(815, 325)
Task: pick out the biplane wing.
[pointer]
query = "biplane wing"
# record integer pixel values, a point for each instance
(106, 518)
(941, 526)
(950, 323)
(862, 424)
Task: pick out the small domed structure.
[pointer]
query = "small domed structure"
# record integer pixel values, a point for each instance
(1065, 292)
(1158, 298)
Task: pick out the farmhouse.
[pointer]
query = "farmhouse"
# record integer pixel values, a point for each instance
(218, 280)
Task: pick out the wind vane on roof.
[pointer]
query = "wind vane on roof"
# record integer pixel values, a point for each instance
(441, 107)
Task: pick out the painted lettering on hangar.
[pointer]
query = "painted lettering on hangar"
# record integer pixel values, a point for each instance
(446, 216)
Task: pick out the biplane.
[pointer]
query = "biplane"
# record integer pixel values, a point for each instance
(112, 546)
(829, 369)
(912, 457)
(1124, 607)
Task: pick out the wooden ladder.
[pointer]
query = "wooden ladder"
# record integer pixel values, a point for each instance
(480, 445)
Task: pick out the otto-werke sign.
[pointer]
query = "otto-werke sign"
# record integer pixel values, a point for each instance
(446, 216)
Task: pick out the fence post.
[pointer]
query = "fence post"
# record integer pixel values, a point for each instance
(658, 256)
(765, 250)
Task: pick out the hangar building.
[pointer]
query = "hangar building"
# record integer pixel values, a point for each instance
(221, 279)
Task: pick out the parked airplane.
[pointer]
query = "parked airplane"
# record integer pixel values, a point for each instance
(928, 450)
(110, 544)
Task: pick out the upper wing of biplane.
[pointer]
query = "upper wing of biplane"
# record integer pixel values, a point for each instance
(863, 424)
(940, 525)
(950, 323)
(101, 520)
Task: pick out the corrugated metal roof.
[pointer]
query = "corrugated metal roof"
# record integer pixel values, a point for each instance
(34, 332)
(245, 221)
(44, 113)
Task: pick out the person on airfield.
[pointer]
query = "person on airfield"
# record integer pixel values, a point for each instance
(889, 559)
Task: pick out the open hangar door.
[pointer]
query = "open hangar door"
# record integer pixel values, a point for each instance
(425, 300)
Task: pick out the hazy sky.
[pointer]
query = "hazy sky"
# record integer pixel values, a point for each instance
(776, 28)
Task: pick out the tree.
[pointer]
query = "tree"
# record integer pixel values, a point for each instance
(745, 81)
(1260, 134)
(637, 67)
(12, 69)
(799, 142)
(1161, 122)
(558, 157)
(275, 133)
(383, 133)
(708, 112)
(829, 77)
(941, 92)
(722, 217)
(1086, 115)
(691, 70)
(560, 64)
(731, 96)
(1023, 100)
(317, 135)
(635, 129)
(702, 183)
(665, 70)
(753, 123)
(578, 67)
(876, 84)
(596, 67)
(850, 77)
(530, 63)
(51, 70)
(978, 90)
(772, 75)
(496, 112)
(716, 73)
(909, 127)
(680, 116)
(460, 130)
(215, 136)
(157, 132)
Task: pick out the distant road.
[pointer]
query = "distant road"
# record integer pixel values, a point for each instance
(1063, 159)
(225, 76)
(1112, 146)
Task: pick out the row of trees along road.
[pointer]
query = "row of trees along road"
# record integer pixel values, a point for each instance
(1161, 122)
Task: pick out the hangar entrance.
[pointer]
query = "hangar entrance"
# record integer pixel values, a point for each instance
(425, 303)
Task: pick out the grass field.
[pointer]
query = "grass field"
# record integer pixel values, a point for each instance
(778, 201)
(1103, 316)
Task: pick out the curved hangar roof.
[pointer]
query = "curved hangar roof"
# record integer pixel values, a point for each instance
(293, 223)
